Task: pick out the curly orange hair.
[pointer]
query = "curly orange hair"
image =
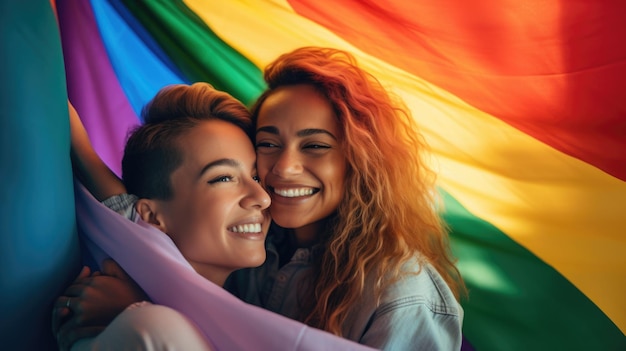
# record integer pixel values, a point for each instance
(388, 214)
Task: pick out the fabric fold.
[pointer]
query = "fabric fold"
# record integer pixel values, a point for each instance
(154, 262)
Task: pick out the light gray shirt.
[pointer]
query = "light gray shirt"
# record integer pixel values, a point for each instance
(123, 204)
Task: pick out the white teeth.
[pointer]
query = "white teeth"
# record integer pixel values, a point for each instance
(294, 192)
(247, 228)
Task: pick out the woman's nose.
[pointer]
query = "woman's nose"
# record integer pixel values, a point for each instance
(287, 164)
(257, 197)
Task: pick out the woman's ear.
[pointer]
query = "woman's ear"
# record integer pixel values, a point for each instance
(149, 211)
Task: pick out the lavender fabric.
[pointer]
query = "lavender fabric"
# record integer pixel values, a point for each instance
(154, 262)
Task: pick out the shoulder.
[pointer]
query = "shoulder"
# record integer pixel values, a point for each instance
(124, 204)
(416, 311)
(420, 284)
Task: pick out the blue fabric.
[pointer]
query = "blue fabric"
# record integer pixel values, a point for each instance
(39, 253)
(139, 63)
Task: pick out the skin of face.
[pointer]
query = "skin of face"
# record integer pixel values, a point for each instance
(217, 216)
(300, 159)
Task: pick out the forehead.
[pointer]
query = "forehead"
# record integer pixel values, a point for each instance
(215, 139)
(299, 106)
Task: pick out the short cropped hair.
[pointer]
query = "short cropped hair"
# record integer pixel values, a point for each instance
(152, 152)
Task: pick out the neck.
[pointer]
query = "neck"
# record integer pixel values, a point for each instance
(214, 274)
(309, 235)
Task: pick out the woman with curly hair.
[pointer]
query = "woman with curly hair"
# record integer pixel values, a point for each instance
(356, 247)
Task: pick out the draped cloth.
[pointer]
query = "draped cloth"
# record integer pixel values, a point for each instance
(155, 263)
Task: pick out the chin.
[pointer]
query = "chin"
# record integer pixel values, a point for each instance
(290, 221)
(256, 260)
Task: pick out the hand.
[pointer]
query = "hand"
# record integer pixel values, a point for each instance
(94, 301)
(60, 310)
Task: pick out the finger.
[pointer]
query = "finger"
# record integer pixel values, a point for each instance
(66, 338)
(110, 267)
(84, 272)
(58, 315)
(73, 323)
(83, 276)
(77, 288)
(62, 302)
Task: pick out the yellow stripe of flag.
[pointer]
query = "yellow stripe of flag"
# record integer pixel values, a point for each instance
(565, 211)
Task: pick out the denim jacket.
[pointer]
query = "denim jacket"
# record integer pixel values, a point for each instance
(418, 312)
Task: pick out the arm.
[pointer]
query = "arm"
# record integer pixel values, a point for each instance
(101, 182)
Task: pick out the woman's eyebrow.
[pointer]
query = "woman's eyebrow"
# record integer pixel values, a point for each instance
(301, 133)
(313, 131)
(268, 129)
(221, 162)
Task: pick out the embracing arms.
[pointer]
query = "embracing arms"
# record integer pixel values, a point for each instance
(93, 300)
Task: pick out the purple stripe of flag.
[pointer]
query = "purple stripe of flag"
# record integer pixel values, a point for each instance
(92, 84)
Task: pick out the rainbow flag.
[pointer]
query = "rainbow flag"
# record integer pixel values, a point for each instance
(522, 102)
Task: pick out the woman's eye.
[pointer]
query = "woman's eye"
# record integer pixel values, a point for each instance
(221, 179)
(256, 179)
(265, 144)
(317, 146)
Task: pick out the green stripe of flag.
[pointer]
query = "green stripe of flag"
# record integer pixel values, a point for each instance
(198, 52)
(516, 301)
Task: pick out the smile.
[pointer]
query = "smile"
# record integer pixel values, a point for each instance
(295, 192)
(246, 228)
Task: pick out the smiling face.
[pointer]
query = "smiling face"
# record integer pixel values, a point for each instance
(216, 216)
(299, 159)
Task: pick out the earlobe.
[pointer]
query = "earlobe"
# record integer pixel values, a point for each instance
(149, 212)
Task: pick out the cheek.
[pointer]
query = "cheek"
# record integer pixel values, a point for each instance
(206, 215)
(263, 166)
(204, 229)
(336, 172)
(214, 212)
